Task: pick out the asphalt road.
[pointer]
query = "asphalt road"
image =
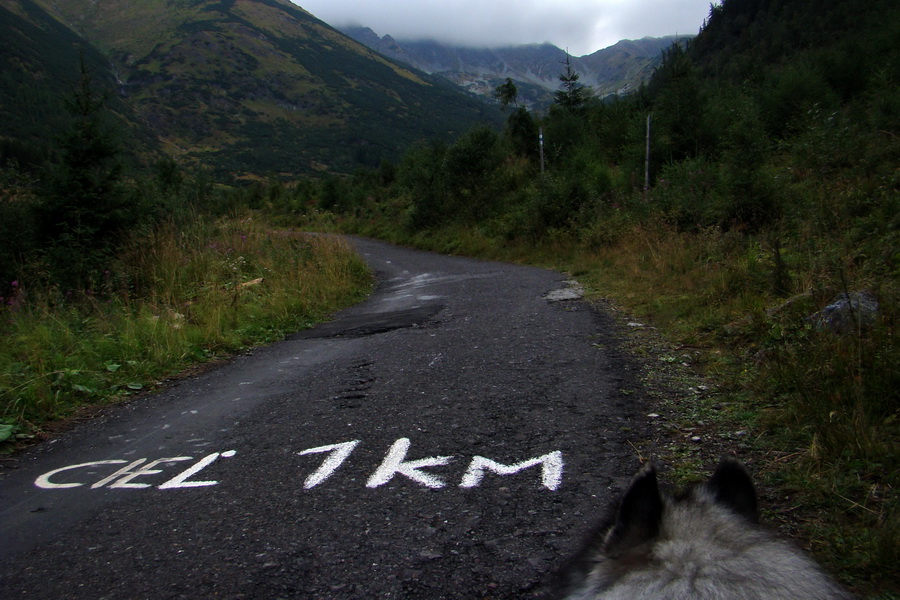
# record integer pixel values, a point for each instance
(454, 436)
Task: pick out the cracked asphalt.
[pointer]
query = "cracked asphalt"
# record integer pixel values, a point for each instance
(454, 436)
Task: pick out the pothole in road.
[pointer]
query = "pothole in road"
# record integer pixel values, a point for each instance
(372, 323)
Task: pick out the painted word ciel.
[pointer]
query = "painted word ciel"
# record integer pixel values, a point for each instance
(125, 476)
(133, 474)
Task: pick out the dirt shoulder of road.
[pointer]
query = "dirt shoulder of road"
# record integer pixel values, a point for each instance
(690, 429)
(692, 420)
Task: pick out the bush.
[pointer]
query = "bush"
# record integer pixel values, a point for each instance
(470, 174)
(85, 211)
(788, 94)
(18, 218)
(420, 178)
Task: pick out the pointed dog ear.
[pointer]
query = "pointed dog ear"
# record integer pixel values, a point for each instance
(732, 487)
(639, 515)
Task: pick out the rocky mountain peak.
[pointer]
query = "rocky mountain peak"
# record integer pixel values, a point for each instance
(535, 68)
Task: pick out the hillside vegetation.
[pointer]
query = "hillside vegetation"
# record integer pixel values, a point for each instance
(773, 189)
(114, 278)
(39, 62)
(243, 88)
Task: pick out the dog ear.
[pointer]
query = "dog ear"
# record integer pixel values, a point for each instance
(732, 487)
(639, 514)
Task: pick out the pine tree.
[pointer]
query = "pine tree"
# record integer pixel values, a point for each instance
(86, 209)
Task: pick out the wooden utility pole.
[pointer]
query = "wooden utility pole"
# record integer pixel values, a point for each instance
(647, 161)
(541, 136)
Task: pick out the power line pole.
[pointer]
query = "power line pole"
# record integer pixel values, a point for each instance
(541, 130)
(647, 161)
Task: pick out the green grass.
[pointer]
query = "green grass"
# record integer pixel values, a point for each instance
(179, 296)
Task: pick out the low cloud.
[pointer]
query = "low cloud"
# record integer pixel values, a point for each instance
(582, 26)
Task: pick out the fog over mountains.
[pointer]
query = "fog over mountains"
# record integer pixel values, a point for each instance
(535, 68)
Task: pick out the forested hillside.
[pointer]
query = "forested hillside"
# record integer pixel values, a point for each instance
(39, 65)
(243, 88)
(114, 116)
(768, 95)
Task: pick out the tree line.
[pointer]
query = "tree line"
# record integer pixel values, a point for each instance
(739, 132)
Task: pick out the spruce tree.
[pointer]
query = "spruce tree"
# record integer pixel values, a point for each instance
(85, 210)
(574, 95)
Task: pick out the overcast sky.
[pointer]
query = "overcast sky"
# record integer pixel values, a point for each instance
(582, 26)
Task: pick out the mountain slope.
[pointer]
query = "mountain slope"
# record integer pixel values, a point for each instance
(535, 68)
(853, 38)
(262, 86)
(625, 65)
(39, 65)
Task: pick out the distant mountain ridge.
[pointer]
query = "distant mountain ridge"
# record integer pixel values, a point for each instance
(535, 67)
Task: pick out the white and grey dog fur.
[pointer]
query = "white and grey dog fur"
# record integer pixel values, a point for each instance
(704, 545)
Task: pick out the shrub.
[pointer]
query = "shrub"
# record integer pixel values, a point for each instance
(86, 210)
(470, 174)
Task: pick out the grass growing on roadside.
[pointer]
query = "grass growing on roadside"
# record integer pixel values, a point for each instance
(180, 295)
(835, 399)
(829, 401)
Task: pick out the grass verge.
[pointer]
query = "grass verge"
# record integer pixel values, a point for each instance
(183, 294)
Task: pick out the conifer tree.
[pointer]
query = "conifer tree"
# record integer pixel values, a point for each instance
(573, 95)
(86, 208)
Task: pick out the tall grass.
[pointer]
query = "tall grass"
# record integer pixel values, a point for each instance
(832, 399)
(826, 403)
(182, 294)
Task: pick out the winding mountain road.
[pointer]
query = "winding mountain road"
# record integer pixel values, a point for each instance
(454, 436)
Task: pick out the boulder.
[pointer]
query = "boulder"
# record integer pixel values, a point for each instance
(847, 313)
